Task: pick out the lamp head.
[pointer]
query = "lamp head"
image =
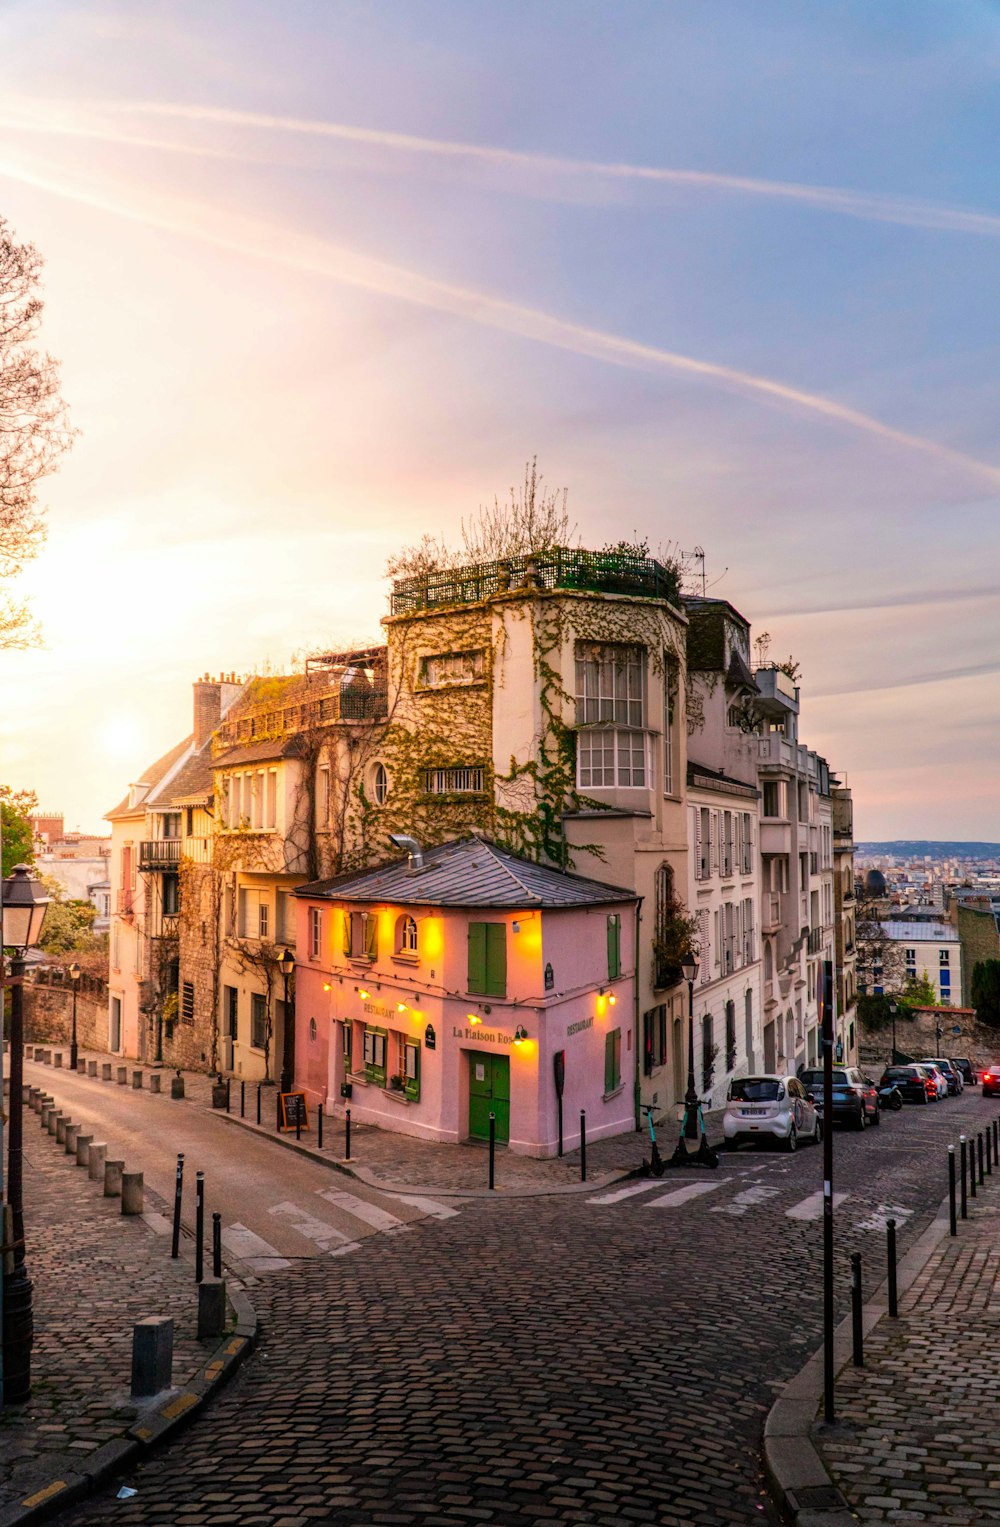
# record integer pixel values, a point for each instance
(286, 962)
(75, 972)
(689, 966)
(25, 902)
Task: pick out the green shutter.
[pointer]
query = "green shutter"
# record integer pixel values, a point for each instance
(496, 959)
(347, 934)
(614, 946)
(371, 936)
(411, 1073)
(612, 1060)
(477, 957)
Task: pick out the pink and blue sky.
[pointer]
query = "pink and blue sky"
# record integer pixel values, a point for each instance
(322, 277)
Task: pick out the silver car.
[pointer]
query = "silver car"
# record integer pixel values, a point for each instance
(769, 1107)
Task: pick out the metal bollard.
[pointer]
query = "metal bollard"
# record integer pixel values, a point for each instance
(347, 1134)
(113, 1173)
(952, 1214)
(154, 1082)
(216, 1245)
(228, 1089)
(972, 1165)
(996, 1141)
(95, 1163)
(319, 1125)
(298, 1123)
(258, 1102)
(131, 1192)
(243, 1100)
(890, 1250)
(979, 1153)
(987, 1138)
(583, 1145)
(857, 1332)
(175, 1244)
(493, 1148)
(963, 1168)
(199, 1226)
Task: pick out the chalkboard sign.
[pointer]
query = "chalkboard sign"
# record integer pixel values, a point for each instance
(293, 1110)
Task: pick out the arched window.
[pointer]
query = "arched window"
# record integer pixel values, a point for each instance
(406, 935)
(379, 783)
(730, 1035)
(312, 1030)
(768, 961)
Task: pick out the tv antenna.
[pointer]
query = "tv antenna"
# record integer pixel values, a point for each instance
(698, 555)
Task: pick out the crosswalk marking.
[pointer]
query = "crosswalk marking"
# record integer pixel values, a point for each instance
(883, 1213)
(324, 1235)
(428, 1205)
(252, 1249)
(369, 1214)
(757, 1194)
(812, 1207)
(620, 1193)
(681, 1195)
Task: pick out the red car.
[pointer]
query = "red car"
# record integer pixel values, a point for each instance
(991, 1081)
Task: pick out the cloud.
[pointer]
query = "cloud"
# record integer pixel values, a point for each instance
(900, 601)
(911, 681)
(871, 206)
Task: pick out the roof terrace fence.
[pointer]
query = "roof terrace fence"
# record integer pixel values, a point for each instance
(600, 572)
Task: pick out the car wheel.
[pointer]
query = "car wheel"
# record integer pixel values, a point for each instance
(862, 1118)
(925, 1098)
(818, 1131)
(791, 1143)
(877, 1116)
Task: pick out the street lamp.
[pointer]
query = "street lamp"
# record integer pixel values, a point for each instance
(893, 1010)
(74, 974)
(24, 906)
(689, 969)
(286, 964)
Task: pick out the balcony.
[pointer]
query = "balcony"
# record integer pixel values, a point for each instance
(599, 572)
(776, 837)
(160, 854)
(167, 926)
(771, 911)
(815, 940)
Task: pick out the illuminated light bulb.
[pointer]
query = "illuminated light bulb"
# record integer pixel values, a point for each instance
(612, 999)
(326, 986)
(362, 993)
(400, 1007)
(473, 1017)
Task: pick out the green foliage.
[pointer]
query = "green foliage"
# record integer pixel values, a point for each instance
(986, 992)
(874, 1013)
(69, 924)
(18, 839)
(918, 991)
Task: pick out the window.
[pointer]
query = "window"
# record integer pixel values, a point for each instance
(189, 821)
(610, 757)
(727, 843)
(654, 1038)
(171, 895)
(255, 913)
(284, 917)
(465, 781)
(375, 1040)
(258, 1021)
(944, 956)
(612, 1061)
(703, 843)
(380, 784)
(313, 1031)
(911, 957)
(746, 843)
(451, 668)
(231, 1012)
(187, 1002)
(669, 726)
(271, 805)
(323, 795)
(488, 959)
(170, 824)
(614, 946)
(315, 932)
(406, 936)
(730, 1035)
(774, 802)
(407, 1062)
(611, 693)
(708, 1053)
(361, 936)
(347, 1046)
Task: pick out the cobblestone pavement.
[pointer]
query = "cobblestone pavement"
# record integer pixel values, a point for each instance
(593, 1360)
(94, 1272)
(916, 1439)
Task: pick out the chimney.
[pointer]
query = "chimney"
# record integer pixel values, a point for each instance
(207, 709)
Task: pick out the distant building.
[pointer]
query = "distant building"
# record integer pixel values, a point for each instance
(933, 950)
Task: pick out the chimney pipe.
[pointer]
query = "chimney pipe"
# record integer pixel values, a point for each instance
(416, 853)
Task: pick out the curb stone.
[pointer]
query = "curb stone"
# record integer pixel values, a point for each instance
(795, 1471)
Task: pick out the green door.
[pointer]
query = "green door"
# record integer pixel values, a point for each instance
(489, 1092)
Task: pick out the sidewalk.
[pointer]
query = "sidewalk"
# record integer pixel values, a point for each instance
(915, 1438)
(403, 1164)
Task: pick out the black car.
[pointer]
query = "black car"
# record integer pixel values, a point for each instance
(855, 1096)
(991, 1081)
(912, 1081)
(969, 1074)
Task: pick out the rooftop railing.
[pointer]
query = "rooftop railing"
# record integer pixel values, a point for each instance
(598, 572)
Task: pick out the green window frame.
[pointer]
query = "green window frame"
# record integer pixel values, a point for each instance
(614, 946)
(375, 1048)
(361, 936)
(411, 1070)
(488, 959)
(347, 1041)
(612, 1061)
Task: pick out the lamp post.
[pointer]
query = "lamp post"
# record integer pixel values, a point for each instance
(24, 905)
(689, 968)
(893, 1011)
(74, 974)
(286, 965)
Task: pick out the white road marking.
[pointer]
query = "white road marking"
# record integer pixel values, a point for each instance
(369, 1214)
(883, 1213)
(252, 1249)
(746, 1200)
(620, 1193)
(428, 1205)
(812, 1207)
(309, 1226)
(681, 1195)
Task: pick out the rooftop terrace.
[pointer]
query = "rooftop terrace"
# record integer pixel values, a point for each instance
(597, 572)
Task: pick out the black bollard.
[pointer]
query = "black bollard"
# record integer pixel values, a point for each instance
(583, 1145)
(493, 1147)
(856, 1328)
(989, 1168)
(963, 1168)
(258, 1102)
(952, 1212)
(890, 1252)
(979, 1152)
(216, 1245)
(347, 1134)
(199, 1226)
(298, 1120)
(228, 1089)
(175, 1244)
(319, 1125)
(243, 1100)
(996, 1141)
(972, 1165)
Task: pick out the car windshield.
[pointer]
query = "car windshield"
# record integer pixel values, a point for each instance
(755, 1089)
(897, 1074)
(812, 1078)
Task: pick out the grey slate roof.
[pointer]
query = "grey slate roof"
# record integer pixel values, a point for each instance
(468, 872)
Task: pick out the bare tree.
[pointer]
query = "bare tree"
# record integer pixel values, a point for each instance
(34, 431)
(879, 961)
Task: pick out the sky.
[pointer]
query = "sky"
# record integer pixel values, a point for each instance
(322, 277)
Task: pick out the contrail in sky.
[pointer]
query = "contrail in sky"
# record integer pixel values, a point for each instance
(247, 236)
(873, 206)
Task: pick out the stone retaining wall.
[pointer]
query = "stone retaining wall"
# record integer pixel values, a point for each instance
(917, 1035)
(48, 1012)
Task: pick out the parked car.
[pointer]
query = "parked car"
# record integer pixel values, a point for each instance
(940, 1080)
(855, 1096)
(952, 1075)
(915, 1084)
(771, 1107)
(970, 1074)
(991, 1081)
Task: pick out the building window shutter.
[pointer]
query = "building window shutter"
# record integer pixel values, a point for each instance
(347, 935)
(496, 959)
(371, 935)
(477, 957)
(614, 946)
(411, 1071)
(612, 1059)
(696, 836)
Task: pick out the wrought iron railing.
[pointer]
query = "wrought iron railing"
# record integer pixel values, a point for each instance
(160, 854)
(601, 572)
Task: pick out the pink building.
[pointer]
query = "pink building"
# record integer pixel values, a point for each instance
(462, 981)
